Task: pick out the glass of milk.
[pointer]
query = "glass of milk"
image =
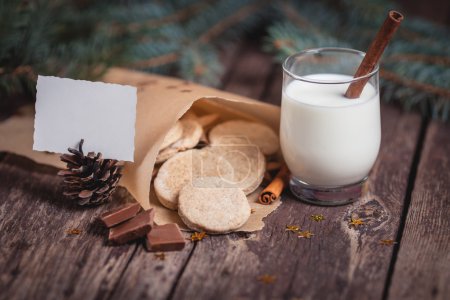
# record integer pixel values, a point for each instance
(329, 142)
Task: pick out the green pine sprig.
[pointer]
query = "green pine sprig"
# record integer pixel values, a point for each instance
(81, 39)
(415, 69)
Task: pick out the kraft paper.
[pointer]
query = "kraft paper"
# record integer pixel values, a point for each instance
(161, 102)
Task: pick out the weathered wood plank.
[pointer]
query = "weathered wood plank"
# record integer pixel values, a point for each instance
(10, 104)
(250, 73)
(339, 262)
(38, 259)
(140, 278)
(249, 76)
(422, 270)
(147, 277)
(436, 11)
(228, 57)
(273, 89)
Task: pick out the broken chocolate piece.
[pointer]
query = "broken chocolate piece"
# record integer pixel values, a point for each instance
(121, 214)
(166, 237)
(132, 229)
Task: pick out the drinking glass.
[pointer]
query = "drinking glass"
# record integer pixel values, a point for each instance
(329, 142)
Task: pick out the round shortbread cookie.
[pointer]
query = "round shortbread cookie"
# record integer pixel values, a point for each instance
(246, 161)
(258, 134)
(192, 131)
(179, 170)
(239, 165)
(165, 154)
(172, 176)
(173, 135)
(211, 208)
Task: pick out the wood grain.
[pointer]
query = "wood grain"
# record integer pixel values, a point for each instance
(11, 104)
(135, 283)
(436, 11)
(422, 270)
(339, 262)
(147, 277)
(38, 259)
(218, 262)
(272, 94)
(250, 73)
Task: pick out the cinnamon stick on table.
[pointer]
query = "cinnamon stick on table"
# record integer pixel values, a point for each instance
(374, 53)
(276, 187)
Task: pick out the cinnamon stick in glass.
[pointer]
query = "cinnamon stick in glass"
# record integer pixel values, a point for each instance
(374, 53)
(276, 187)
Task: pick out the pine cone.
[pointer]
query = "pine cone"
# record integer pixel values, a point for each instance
(89, 179)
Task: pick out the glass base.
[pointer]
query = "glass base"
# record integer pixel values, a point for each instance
(327, 196)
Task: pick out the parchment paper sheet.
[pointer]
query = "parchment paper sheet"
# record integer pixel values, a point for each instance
(161, 102)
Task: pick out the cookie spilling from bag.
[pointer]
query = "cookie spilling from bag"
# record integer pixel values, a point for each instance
(207, 173)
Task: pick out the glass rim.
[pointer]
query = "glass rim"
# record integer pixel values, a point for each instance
(330, 49)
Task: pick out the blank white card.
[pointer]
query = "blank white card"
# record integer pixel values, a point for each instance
(103, 114)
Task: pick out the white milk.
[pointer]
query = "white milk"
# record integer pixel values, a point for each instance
(327, 139)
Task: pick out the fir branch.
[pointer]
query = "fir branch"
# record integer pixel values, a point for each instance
(429, 59)
(178, 16)
(82, 41)
(157, 61)
(21, 70)
(414, 67)
(206, 37)
(414, 84)
(231, 20)
(292, 15)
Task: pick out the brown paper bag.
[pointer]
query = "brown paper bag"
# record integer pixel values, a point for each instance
(161, 102)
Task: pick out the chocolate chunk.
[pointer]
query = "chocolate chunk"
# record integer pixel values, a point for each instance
(165, 238)
(132, 229)
(121, 214)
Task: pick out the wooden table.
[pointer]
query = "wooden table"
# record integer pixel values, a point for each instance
(408, 202)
